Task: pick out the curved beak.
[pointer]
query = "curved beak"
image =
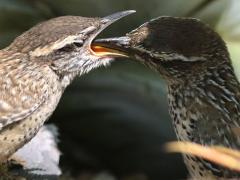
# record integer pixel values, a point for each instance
(108, 20)
(110, 47)
(116, 16)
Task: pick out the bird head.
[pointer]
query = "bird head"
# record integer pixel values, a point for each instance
(177, 48)
(64, 43)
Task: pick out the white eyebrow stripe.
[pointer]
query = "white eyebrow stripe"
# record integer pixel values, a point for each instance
(43, 51)
(88, 30)
(175, 56)
(168, 57)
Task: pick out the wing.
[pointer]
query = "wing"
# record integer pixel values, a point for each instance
(218, 116)
(215, 126)
(23, 89)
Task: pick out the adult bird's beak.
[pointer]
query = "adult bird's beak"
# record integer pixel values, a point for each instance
(105, 22)
(111, 47)
(115, 47)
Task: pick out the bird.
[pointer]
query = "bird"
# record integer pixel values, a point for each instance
(203, 91)
(36, 68)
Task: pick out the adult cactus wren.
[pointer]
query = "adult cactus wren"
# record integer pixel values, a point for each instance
(203, 91)
(37, 67)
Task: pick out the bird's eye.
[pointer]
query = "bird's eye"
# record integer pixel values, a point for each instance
(70, 47)
(78, 44)
(67, 48)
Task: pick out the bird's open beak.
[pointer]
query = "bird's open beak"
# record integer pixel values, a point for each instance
(113, 47)
(103, 47)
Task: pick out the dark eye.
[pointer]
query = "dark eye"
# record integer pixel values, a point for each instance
(67, 48)
(70, 47)
(78, 44)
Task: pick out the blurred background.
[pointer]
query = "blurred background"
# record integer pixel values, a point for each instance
(114, 121)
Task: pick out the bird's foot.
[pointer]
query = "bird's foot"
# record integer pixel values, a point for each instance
(5, 170)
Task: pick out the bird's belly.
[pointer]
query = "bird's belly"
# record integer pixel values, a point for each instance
(15, 135)
(182, 126)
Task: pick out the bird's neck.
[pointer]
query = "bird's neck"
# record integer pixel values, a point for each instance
(67, 79)
(222, 76)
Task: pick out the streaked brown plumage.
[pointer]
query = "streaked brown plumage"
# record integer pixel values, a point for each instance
(203, 91)
(37, 67)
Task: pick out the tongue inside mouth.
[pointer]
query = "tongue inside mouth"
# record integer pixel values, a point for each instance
(104, 51)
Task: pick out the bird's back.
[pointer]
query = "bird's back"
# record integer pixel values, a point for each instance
(29, 95)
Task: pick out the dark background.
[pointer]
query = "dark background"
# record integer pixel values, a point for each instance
(114, 120)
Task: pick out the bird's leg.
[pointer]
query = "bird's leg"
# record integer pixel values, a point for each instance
(4, 170)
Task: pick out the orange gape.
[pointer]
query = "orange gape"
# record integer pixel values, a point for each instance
(104, 51)
(100, 49)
